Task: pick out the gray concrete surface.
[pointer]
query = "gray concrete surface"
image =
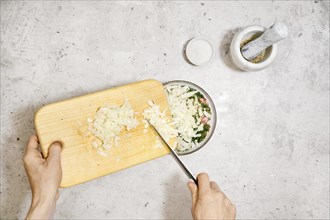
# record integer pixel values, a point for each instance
(270, 151)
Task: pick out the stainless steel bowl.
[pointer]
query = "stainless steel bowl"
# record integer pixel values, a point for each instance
(212, 122)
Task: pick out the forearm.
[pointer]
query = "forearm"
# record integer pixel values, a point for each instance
(42, 208)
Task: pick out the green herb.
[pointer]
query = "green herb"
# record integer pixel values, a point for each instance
(196, 118)
(191, 90)
(199, 95)
(206, 108)
(203, 134)
(207, 127)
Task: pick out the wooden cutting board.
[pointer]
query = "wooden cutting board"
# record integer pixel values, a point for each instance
(66, 121)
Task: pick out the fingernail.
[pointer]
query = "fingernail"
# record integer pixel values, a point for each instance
(56, 143)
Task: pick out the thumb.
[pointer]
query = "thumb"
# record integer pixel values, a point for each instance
(54, 152)
(193, 189)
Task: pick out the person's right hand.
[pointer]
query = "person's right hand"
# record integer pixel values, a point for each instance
(208, 201)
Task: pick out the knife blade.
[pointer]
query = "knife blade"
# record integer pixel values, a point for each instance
(175, 156)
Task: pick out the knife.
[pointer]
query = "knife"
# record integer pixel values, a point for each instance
(176, 157)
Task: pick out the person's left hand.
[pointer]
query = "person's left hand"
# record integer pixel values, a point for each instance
(45, 175)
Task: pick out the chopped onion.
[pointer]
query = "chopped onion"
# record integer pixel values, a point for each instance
(158, 119)
(109, 122)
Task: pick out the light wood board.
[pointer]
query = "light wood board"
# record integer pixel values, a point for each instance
(65, 121)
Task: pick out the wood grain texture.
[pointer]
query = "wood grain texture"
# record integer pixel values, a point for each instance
(65, 121)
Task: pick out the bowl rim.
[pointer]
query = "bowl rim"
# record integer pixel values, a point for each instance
(214, 115)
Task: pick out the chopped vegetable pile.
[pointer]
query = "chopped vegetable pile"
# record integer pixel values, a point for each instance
(159, 119)
(191, 115)
(107, 124)
(190, 111)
